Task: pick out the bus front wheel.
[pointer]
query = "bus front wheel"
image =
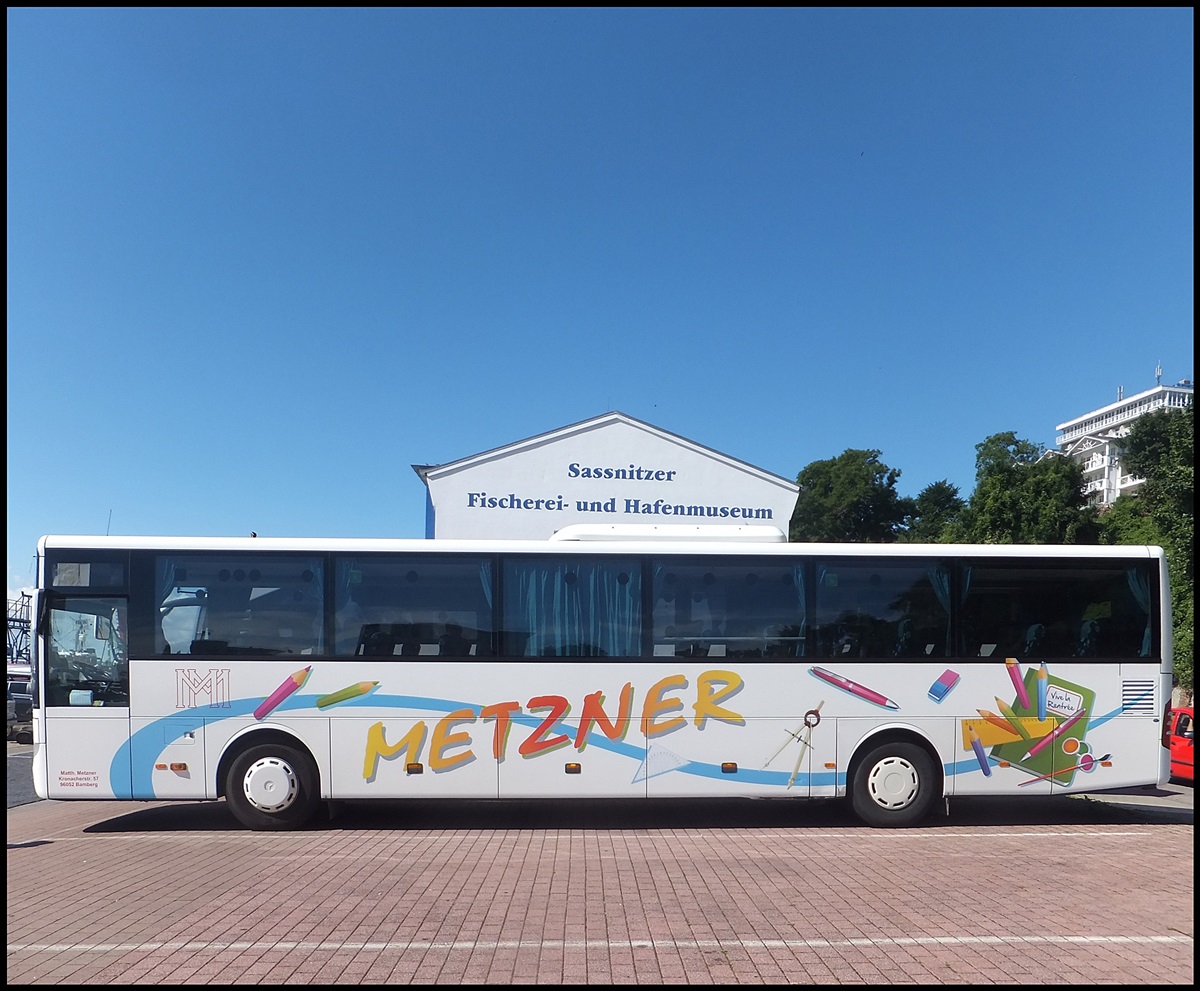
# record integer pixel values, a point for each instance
(272, 786)
(893, 785)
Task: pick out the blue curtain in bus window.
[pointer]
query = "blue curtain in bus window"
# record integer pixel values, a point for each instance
(559, 607)
(801, 647)
(1140, 587)
(939, 581)
(348, 612)
(485, 581)
(164, 583)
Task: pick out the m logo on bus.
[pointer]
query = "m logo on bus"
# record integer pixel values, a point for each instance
(192, 687)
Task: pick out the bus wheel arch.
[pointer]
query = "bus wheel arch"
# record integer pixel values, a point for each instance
(270, 781)
(894, 779)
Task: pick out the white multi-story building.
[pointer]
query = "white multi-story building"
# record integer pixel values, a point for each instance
(1094, 439)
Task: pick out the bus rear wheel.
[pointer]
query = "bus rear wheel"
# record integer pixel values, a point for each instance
(893, 785)
(272, 786)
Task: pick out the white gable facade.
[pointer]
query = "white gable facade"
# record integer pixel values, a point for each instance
(609, 470)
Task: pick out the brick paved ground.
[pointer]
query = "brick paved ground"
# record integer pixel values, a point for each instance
(598, 893)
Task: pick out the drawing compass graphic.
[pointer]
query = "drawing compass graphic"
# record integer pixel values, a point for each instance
(802, 736)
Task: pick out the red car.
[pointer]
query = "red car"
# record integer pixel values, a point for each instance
(1182, 733)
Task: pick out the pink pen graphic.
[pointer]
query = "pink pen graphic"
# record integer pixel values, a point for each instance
(854, 688)
(1014, 672)
(290, 684)
(1055, 733)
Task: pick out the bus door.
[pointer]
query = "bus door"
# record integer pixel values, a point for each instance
(84, 697)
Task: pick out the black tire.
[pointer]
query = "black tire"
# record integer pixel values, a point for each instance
(894, 784)
(272, 786)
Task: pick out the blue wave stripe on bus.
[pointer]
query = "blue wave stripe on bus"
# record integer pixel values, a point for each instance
(144, 746)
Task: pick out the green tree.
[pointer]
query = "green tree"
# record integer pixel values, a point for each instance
(849, 498)
(935, 511)
(1126, 521)
(1025, 494)
(1160, 448)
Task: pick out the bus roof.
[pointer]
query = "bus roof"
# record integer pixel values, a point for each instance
(617, 541)
(732, 532)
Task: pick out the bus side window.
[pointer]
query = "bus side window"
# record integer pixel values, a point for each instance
(429, 605)
(882, 608)
(572, 606)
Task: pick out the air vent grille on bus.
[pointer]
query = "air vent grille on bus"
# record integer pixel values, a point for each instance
(1138, 696)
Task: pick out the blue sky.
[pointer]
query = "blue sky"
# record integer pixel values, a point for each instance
(260, 262)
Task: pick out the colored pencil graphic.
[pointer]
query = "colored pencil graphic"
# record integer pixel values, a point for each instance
(979, 754)
(990, 735)
(1054, 734)
(995, 720)
(1043, 684)
(1014, 672)
(292, 682)
(349, 692)
(854, 688)
(1013, 718)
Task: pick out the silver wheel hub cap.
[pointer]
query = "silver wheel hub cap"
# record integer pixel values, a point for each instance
(270, 785)
(893, 783)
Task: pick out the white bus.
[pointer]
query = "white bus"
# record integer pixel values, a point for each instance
(654, 662)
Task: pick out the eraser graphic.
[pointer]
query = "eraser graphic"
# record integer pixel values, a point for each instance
(941, 688)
